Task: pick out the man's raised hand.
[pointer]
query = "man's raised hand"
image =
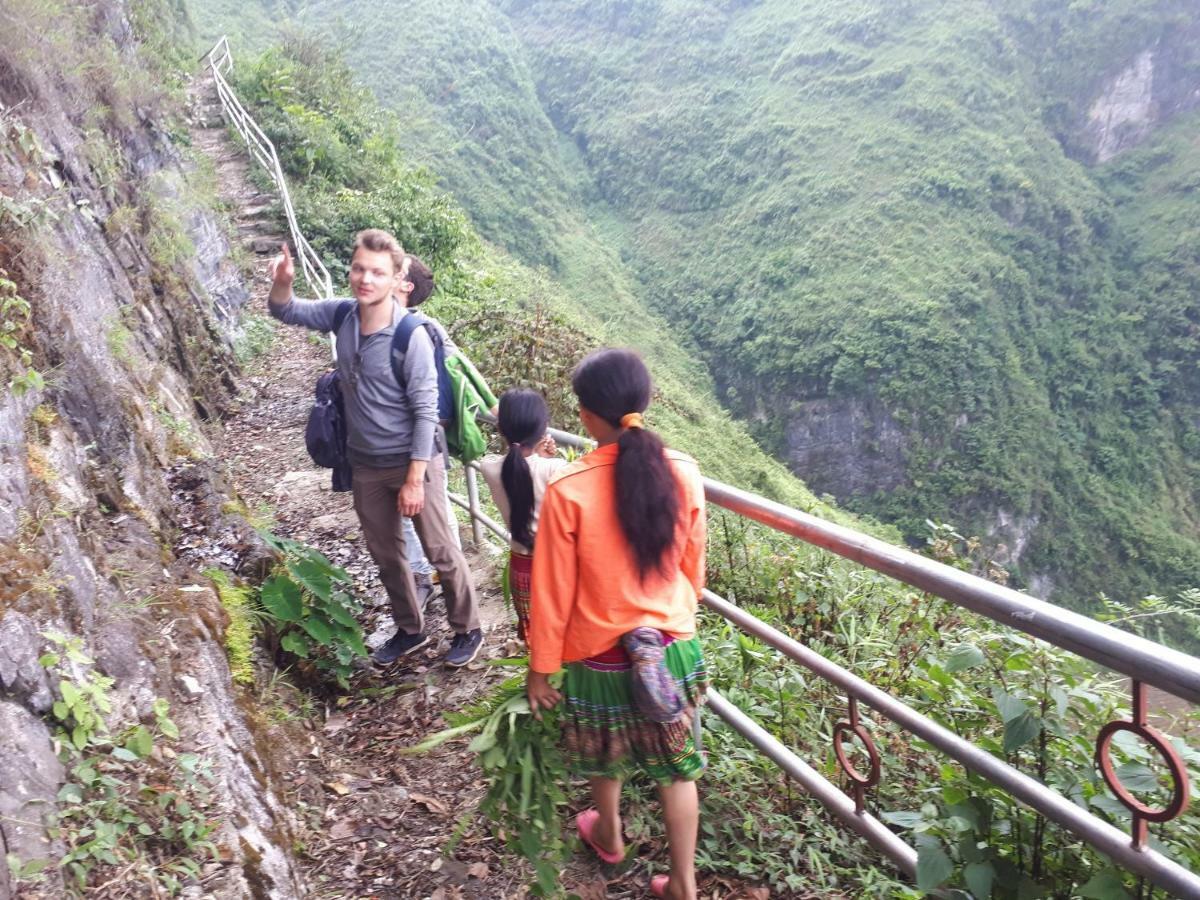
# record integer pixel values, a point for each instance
(283, 275)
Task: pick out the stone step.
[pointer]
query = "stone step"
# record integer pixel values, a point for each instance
(269, 206)
(263, 244)
(258, 226)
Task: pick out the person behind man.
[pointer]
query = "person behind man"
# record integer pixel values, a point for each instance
(413, 289)
(392, 439)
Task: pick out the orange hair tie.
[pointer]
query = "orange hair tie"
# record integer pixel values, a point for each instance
(632, 420)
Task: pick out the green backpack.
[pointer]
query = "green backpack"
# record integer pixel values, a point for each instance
(470, 395)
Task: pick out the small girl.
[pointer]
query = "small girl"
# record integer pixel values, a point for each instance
(517, 481)
(617, 572)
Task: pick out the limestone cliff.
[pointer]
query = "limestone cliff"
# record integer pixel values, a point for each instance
(118, 370)
(1159, 82)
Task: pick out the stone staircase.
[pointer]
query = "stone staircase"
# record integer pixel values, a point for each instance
(257, 214)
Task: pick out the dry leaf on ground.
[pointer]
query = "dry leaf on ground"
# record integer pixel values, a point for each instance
(433, 804)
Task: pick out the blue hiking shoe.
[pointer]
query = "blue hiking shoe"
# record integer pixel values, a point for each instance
(399, 644)
(464, 648)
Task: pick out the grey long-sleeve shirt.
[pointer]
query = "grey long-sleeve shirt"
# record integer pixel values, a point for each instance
(383, 420)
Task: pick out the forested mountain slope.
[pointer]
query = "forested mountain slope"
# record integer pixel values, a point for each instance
(943, 257)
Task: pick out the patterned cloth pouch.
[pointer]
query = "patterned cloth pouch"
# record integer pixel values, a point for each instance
(655, 691)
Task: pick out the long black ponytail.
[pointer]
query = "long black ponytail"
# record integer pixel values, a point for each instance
(522, 420)
(612, 384)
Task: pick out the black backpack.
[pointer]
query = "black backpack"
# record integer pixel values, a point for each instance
(325, 433)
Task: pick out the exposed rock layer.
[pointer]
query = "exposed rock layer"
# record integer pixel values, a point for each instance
(134, 300)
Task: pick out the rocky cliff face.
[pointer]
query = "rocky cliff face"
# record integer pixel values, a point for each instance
(1158, 83)
(845, 446)
(132, 298)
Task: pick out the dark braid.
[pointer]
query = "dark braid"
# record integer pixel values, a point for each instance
(612, 384)
(522, 421)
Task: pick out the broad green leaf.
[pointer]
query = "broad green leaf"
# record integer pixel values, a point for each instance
(952, 794)
(1110, 805)
(979, 877)
(1137, 777)
(933, 865)
(1062, 701)
(70, 793)
(297, 643)
(355, 639)
(969, 850)
(169, 729)
(318, 629)
(1020, 731)
(964, 656)
(141, 741)
(1010, 707)
(340, 614)
(959, 825)
(965, 811)
(124, 754)
(79, 737)
(983, 812)
(70, 693)
(34, 867)
(281, 597)
(313, 576)
(903, 819)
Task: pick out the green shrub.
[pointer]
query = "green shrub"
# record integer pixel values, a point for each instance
(312, 611)
(126, 813)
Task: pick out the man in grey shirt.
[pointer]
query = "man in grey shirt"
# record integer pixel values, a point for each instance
(392, 440)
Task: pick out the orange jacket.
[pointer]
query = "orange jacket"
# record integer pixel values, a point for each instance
(586, 592)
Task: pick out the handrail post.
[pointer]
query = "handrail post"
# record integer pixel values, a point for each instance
(473, 500)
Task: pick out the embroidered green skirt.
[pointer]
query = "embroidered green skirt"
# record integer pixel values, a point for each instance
(605, 735)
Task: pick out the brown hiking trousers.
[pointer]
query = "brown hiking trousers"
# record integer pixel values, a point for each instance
(375, 496)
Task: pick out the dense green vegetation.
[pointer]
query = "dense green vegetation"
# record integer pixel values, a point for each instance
(898, 224)
(870, 202)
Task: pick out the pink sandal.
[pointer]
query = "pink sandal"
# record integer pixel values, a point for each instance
(658, 885)
(586, 822)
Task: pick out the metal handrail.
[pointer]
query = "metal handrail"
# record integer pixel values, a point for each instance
(1053, 805)
(220, 61)
(1143, 660)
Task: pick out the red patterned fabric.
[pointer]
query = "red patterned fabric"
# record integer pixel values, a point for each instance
(520, 574)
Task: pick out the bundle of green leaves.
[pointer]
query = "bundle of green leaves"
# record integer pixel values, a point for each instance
(525, 772)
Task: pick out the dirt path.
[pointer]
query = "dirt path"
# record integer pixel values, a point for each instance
(373, 821)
